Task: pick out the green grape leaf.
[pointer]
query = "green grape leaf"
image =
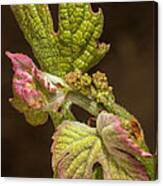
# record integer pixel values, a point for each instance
(124, 141)
(77, 148)
(75, 44)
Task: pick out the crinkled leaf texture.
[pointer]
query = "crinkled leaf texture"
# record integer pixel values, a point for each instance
(36, 93)
(74, 46)
(78, 148)
(78, 151)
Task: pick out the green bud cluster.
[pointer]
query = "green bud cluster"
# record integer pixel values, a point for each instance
(103, 92)
(73, 79)
(95, 86)
(100, 80)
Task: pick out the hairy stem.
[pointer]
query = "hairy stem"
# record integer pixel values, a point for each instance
(84, 102)
(94, 108)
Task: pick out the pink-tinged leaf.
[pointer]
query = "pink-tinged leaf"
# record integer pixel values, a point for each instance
(78, 148)
(24, 86)
(20, 61)
(27, 75)
(36, 93)
(75, 150)
(123, 147)
(119, 133)
(24, 65)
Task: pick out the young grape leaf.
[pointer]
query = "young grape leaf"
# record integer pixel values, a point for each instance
(36, 93)
(74, 46)
(125, 143)
(77, 148)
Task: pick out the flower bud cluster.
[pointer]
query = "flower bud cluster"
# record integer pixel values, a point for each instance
(95, 86)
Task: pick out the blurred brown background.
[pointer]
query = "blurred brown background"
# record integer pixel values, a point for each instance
(131, 65)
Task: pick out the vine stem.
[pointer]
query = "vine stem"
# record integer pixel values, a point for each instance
(84, 102)
(94, 108)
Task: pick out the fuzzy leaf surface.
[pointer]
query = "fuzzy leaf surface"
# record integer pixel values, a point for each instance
(73, 46)
(37, 94)
(77, 148)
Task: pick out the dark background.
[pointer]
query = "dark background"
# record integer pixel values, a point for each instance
(131, 65)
